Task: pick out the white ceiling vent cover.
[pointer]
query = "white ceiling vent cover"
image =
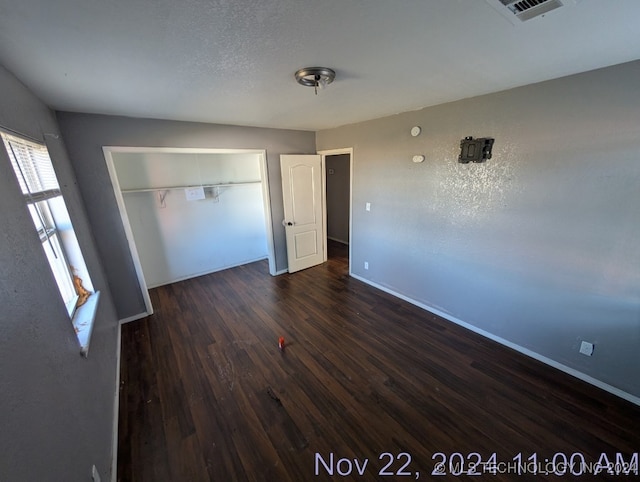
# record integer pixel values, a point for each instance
(519, 11)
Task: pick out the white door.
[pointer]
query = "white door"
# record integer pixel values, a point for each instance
(303, 210)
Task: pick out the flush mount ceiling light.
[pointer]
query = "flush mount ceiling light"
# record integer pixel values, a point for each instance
(316, 77)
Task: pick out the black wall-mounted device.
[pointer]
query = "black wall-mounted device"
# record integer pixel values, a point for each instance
(475, 150)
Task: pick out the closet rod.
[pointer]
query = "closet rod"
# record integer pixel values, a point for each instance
(170, 188)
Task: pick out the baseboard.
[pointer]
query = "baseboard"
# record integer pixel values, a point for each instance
(525, 351)
(206, 272)
(341, 241)
(133, 318)
(282, 271)
(116, 410)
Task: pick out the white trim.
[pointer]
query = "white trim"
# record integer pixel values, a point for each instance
(127, 226)
(83, 321)
(282, 271)
(335, 152)
(525, 351)
(182, 150)
(268, 220)
(134, 318)
(323, 176)
(116, 410)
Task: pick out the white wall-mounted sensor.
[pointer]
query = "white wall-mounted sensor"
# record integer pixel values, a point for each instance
(415, 131)
(586, 348)
(418, 159)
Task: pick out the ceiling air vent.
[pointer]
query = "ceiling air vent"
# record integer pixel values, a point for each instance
(528, 9)
(522, 10)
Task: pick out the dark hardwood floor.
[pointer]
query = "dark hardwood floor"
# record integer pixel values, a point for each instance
(364, 378)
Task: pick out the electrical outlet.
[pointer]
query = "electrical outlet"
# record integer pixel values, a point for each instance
(586, 348)
(95, 476)
(366, 265)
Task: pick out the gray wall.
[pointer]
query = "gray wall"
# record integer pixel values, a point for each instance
(540, 245)
(56, 408)
(338, 197)
(86, 134)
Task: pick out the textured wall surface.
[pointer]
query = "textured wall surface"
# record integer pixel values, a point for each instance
(56, 408)
(86, 134)
(539, 245)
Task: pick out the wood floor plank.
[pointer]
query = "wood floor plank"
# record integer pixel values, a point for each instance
(206, 395)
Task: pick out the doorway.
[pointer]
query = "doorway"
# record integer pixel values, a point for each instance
(338, 179)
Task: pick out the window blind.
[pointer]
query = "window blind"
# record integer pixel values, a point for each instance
(31, 162)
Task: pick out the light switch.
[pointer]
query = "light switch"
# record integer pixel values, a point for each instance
(367, 207)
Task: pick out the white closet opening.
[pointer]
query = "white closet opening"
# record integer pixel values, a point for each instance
(190, 212)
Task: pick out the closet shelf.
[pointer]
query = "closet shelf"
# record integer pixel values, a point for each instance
(171, 188)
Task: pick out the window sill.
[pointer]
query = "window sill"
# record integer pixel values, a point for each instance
(83, 321)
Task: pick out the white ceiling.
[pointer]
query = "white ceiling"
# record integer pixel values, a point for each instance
(232, 61)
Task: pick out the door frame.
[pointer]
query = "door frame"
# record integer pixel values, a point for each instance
(266, 200)
(323, 155)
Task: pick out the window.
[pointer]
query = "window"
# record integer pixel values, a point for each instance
(37, 179)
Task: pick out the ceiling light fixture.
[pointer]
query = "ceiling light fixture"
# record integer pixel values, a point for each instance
(316, 77)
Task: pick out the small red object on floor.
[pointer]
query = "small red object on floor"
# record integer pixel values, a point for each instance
(281, 342)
